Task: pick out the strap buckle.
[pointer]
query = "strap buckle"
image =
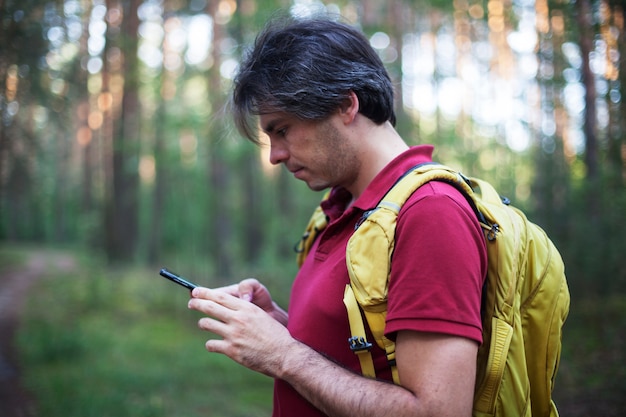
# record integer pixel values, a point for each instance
(359, 344)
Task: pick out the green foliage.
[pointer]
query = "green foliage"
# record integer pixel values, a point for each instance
(593, 243)
(101, 342)
(591, 375)
(11, 257)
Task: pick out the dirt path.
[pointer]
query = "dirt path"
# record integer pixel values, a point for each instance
(15, 401)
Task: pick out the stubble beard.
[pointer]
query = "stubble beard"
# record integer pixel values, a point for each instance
(340, 164)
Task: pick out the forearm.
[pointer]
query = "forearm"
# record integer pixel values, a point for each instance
(279, 314)
(340, 392)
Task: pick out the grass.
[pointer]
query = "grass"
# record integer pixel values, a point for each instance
(124, 344)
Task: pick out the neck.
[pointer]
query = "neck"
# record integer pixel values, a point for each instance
(378, 145)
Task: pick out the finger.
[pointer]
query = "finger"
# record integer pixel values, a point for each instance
(232, 289)
(216, 346)
(201, 292)
(213, 326)
(217, 296)
(247, 288)
(211, 308)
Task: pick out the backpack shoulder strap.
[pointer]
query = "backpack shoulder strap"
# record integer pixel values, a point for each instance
(368, 260)
(317, 223)
(420, 175)
(375, 231)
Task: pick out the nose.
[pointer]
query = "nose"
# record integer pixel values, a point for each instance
(278, 154)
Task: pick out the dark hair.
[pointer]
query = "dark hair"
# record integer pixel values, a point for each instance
(307, 68)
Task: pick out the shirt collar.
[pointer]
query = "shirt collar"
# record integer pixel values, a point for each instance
(339, 197)
(387, 177)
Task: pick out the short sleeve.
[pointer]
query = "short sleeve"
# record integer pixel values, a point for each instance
(438, 265)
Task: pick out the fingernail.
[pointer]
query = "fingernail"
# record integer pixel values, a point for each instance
(246, 296)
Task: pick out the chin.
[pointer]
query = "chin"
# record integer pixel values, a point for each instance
(318, 186)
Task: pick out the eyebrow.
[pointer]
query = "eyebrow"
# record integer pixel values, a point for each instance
(271, 125)
(269, 128)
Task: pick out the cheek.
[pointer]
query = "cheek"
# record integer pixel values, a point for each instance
(340, 159)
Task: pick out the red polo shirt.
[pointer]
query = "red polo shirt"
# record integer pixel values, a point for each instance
(438, 266)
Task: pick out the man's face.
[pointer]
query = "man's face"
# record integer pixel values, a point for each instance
(316, 152)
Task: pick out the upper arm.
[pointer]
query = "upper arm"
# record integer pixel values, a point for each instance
(438, 266)
(439, 369)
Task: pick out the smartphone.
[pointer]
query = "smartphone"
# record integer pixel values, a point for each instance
(177, 279)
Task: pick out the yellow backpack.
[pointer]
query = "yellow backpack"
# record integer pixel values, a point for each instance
(525, 297)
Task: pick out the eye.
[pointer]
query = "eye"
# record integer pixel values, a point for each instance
(282, 131)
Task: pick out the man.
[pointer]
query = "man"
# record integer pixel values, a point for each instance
(325, 101)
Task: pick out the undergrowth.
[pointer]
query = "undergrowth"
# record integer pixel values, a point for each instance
(96, 342)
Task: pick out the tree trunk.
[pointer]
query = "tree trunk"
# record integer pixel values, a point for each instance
(615, 31)
(220, 224)
(585, 26)
(620, 10)
(155, 234)
(123, 232)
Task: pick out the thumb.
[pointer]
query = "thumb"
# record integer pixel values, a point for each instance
(247, 288)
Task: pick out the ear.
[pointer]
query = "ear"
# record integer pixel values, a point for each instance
(349, 108)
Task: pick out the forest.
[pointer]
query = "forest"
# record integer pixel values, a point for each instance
(116, 137)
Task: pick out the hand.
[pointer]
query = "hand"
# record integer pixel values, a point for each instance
(253, 291)
(249, 335)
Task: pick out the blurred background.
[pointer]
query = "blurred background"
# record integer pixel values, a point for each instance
(118, 157)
